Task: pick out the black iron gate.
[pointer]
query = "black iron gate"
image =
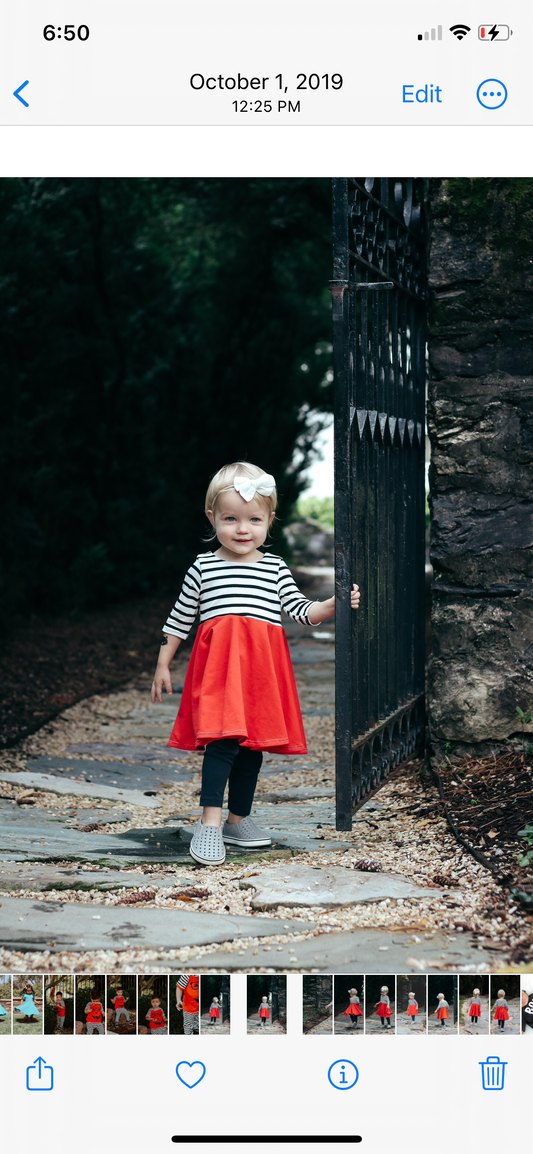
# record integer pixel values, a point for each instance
(380, 384)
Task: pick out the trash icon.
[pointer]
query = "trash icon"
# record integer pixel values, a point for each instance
(493, 1073)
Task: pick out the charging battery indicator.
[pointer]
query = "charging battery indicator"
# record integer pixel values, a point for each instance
(493, 32)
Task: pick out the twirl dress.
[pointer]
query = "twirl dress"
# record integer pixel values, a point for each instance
(214, 1011)
(354, 1009)
(474, 1008)
(502, 1012)
(28, 1006)
(240, 681)
(264, 1011)
(412, 1008)
(384, 1010)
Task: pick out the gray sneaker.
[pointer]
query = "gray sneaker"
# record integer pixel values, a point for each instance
(207, 846)
(245, 833)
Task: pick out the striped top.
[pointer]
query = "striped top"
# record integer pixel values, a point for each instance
(217, 588)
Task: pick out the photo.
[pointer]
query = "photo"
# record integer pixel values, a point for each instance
(443, 999)
(6, 1004)
(380, 1004)
(215, 1017)
(59, 1004)
(349, 1004)
(27, 1003)
(411, 1006)
(505, 1004)
(527, 1005)
(90, 1004)
(474, 1008)
(266, 999)
(121, 1017)
(317, 998)
(153, 1004)
(184, 996)
(185, 361)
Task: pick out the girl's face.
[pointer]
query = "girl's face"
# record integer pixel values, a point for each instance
(241, 526)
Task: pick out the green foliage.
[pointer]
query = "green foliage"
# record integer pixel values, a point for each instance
(524, 718)
(527, 835)
(496, 210)
(318, 508)
(151, 330)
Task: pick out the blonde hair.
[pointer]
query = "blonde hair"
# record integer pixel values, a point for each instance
(412, 994)
(222, 482)
(386, 988)
(440, 995)
(501, 993)
(476, 991)
(353, 990)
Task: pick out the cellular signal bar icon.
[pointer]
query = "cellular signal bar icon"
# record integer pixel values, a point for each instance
(433, 34)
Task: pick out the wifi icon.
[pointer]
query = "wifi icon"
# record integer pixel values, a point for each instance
(459, 30)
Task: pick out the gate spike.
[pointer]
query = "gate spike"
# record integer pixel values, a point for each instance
(419, 433)
(401, 429)
(392, 428)
(382, 418)
(411, 431)
(372, 418)
(361, 422)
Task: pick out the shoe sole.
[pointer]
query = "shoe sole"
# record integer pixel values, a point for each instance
(204, 861)
(259, 844)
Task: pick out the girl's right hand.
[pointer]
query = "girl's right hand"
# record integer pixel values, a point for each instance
(162, 679)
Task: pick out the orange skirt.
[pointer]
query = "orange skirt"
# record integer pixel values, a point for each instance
(354, 1010)
(240, 683)
(412, 1010)
(475, 1010)
(383, 1010)
(501, 1014)
(443, 1013)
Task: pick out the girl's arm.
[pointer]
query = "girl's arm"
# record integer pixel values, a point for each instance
(169, 647)
(323, 610)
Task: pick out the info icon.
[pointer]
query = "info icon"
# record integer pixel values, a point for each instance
(343, 1074)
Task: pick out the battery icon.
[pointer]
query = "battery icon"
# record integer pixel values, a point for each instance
(492, 32)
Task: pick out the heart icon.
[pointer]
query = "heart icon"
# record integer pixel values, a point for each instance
(190, 1073)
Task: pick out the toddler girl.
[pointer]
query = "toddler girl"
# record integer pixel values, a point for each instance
(501, 1010)
(28, 1007)
(354, 1010)
(264, 1012)
(412, 1008)
(474, 1007)
(239, 698)
(383, 1008)
(442, 1009)
(214, 1012)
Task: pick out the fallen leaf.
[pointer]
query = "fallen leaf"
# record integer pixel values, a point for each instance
(492, 833)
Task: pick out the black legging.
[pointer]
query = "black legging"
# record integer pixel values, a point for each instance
(226, 759)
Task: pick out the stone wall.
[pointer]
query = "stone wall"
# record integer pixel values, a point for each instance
(481, 475)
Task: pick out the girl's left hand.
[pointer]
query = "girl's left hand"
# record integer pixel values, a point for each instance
(355, 597)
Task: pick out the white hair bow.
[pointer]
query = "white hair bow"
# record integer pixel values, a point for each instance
(247, 487)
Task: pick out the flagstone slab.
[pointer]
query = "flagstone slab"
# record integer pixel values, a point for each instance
(25, 876)
(359, 951)
(301, 793)
(100, 816)
(32, 876)
(303, 885)
(297, 826)
(129, 751)
(28, 834)
(26, 924)
(47, 782)
(132, 775)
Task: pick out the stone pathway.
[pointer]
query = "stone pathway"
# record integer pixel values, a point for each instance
(323, 1027)
(253, 1026)
(220, 1027)
(411, 1025)
(434, 1026)
(373, 1025)
(96, 812)
(343, 1025)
